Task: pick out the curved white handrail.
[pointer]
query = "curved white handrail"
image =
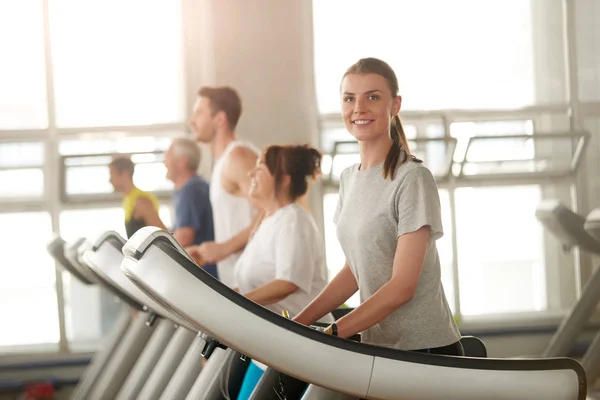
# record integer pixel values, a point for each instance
(105, 258)
(362, 370)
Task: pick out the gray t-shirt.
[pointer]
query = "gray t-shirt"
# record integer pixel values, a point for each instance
(372, 213)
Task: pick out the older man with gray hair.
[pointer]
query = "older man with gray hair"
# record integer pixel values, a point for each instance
(193, 212)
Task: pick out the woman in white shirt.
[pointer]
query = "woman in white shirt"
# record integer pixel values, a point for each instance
(283, 264)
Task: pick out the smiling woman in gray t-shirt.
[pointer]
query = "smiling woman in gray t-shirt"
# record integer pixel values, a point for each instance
(388, 220)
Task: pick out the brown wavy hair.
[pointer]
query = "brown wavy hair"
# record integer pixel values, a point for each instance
(301, 163)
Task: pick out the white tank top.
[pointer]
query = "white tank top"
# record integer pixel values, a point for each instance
(231, 214)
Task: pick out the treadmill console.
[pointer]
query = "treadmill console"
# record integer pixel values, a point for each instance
(592, 224)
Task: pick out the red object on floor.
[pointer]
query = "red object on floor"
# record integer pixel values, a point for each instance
(39, 391)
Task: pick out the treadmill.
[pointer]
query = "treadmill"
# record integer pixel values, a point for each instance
(335, 364)
(171, 360)
(129, 345)
(118, 362)
(110, 306)
(57, 248)
(148, 336)
(573, 230)
(592, 224)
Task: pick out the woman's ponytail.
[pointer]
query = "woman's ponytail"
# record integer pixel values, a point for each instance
(399, 152)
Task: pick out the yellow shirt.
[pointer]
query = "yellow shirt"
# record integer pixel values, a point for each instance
(129, 201)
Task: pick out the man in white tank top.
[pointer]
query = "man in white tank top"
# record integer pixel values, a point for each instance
(215, 116)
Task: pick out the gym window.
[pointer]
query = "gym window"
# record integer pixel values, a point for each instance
(473, 108)
(74, 94)
(27, 282)
(84, 172)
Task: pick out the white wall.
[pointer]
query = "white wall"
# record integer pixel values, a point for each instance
(587, 14)
(588, 59)
(551, 87)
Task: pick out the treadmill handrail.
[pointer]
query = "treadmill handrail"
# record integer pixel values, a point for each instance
(361, 348)
(569, 224)
(56, 250)
(71, 251)
(113, 240)
(137, 245)
(107, 235)
(592, 223)
(116, 240)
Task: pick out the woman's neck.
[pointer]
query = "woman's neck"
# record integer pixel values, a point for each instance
(272, 206)
(374, 152)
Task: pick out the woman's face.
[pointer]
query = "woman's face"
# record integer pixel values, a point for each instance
(368, 106)
(262, 183)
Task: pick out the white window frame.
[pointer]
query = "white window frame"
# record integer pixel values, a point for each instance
(452, 181)
(53, 200)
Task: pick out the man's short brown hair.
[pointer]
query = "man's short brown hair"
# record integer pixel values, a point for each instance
(123, 164)
(224, 99)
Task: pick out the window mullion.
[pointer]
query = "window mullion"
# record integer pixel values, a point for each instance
(50, 169)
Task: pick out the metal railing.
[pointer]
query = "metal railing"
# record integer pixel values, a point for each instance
(453, 171)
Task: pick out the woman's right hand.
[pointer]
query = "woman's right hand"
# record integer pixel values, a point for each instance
(341, 287)
(298, 318)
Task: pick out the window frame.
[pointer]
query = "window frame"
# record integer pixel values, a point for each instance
(112, 197)
(50, 286)
(51, 135)
(453, 181)
(29, 203)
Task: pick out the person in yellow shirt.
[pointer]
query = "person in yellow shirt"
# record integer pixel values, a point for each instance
(141, 208)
